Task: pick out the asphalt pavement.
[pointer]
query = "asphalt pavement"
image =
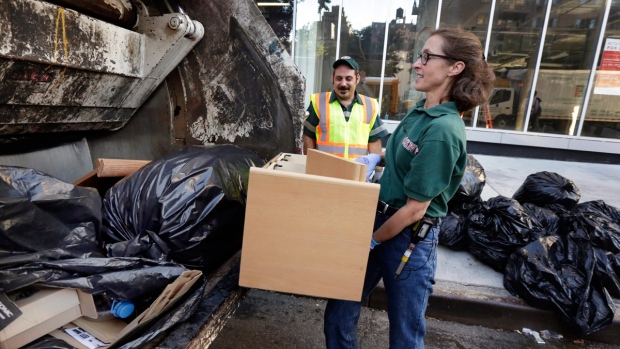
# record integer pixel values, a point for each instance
(269, 320)
(469, 298)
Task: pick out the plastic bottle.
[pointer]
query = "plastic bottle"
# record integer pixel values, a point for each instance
(109, 308)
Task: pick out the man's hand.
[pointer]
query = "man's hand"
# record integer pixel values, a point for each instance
(371, 161)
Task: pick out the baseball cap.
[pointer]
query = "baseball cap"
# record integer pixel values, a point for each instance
(348, 61)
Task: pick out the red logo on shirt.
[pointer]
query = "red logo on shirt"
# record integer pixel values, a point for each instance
(410, 146)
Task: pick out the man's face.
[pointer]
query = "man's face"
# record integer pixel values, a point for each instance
(345, 80)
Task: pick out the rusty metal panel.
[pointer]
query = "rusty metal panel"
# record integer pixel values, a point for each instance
(120, 12)
(27, 83)
(61, 71)
(20, 120)
(42, 32)
(241, 85)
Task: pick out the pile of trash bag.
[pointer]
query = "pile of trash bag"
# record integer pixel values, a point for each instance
(558, 273)
(498, 228)
(465, 201)
(471, 185)
(52, 233)
(554, 252)
(187, 206)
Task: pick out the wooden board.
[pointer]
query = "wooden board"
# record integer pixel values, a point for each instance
(307, 234)
(323, 164)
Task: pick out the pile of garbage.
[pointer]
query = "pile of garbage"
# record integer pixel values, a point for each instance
(554, 252)
(183, 211)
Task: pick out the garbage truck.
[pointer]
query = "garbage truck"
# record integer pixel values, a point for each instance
(136, 79)
(133, 79)
(562, 94)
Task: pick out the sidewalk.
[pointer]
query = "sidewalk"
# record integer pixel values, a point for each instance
(470, 292)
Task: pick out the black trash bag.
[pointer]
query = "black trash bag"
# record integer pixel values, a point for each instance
(453, 232)
(557, 273)
(471, 185)
(607, 270)
(599, 208)
(545, 188)
(123, 278)
(187, 207)
(547, 218)
(498, 229)
(595, 226)
(43, 218)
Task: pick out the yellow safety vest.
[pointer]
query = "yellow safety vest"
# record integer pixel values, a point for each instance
(334, 134)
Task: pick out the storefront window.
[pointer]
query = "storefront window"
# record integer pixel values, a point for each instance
(315, 46)
(603, 111)
(398, 93)
(362, 36)
(472, 15)
(570, 47)
(513, 50)
(408, 39)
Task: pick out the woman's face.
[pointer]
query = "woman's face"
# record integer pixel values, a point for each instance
(433, 77)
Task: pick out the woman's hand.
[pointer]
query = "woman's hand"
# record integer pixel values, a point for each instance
(412, 212)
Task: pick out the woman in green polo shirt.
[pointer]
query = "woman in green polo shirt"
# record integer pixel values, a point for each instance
(424, 164)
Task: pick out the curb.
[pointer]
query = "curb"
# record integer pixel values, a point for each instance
(494, 308)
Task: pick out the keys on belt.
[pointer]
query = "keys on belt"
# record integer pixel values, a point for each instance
(386, 209)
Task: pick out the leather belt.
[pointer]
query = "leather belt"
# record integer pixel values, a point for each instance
(386, 209)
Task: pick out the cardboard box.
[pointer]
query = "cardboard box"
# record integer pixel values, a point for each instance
(115, 330)
(42, 312)
(309, 234)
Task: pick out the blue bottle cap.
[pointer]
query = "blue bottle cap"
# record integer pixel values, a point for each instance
(122, 309)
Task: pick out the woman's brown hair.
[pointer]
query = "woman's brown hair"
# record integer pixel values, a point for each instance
(472, 87)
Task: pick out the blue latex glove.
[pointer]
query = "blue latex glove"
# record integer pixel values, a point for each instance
(371, 161)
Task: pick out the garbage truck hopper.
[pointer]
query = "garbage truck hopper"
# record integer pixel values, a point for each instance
(82, 80)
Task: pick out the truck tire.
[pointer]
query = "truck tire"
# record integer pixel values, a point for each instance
(503, 121)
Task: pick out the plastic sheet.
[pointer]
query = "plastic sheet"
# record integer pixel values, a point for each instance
(454, 232)
(187, 206)
(471, 185)
(43, 218)
(498, 228)
(122, 278)
(557, 273)
(545, 188)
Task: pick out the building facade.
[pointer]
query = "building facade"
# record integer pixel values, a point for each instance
(563, 55)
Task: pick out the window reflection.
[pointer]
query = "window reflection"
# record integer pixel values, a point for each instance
(513, 47)
(570, 46)
(474, 16)
(364, 41)
(603, 111)
(315, 49)
(564, 87)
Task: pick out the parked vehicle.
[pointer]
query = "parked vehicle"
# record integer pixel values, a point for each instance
(562, 96)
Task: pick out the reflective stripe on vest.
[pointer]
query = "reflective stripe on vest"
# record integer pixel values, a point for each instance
(334, 134)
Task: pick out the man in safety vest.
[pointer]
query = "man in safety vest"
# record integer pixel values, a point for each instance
(343, 122)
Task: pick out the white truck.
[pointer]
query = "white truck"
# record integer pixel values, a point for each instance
(562, 94)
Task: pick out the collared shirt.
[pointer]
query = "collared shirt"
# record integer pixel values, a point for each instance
(425, 158)
(377, 131)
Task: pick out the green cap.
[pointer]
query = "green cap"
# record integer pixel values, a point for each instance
(348, 61)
